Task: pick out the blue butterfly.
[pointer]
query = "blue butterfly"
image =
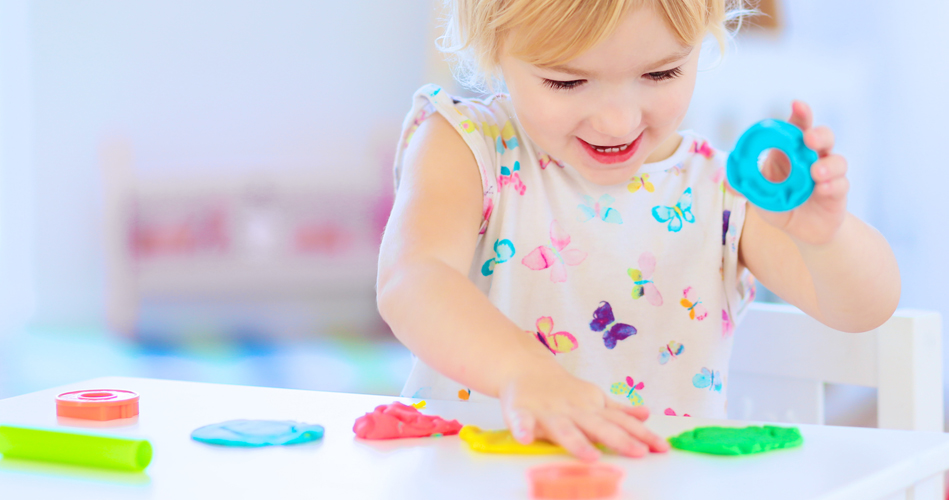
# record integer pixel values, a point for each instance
(603, 318)
(675, 215)
(711, 379)
(503, 251)
(599, 209)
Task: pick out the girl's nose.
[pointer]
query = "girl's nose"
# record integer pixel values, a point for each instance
(617, 120)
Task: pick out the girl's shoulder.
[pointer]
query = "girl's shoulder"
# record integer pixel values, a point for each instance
(490, 119)
(488, 127)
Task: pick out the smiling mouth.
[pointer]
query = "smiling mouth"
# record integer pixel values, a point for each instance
(611, 149)
(613, 153)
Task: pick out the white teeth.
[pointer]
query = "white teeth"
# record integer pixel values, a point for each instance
(617, 149)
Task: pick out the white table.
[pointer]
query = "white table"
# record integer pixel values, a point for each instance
(834, 462)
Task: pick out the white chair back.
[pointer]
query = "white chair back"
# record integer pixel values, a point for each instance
(782, 358)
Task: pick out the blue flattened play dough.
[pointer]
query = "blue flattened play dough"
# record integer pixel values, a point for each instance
(257, 433)
(744, 176)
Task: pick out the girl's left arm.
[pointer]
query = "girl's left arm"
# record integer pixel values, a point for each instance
(819, 257)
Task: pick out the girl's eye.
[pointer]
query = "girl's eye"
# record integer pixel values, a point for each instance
(665, 75)
(559, 85)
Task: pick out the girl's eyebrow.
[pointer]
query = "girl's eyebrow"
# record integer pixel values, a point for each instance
(563, 68)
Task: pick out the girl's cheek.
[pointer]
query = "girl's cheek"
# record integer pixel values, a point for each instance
(670, 107)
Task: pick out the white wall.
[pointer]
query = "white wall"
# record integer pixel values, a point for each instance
(16, 178)
(199, 88)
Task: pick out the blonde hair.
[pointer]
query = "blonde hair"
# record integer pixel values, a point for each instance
(553, 32)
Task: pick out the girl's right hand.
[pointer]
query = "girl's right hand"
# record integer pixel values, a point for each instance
(558, 407)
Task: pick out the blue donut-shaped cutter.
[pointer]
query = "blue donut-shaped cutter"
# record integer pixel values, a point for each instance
(744, 176)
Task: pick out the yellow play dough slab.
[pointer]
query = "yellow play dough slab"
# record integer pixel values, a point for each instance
(504, 442)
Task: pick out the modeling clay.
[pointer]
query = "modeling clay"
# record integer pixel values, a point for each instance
(747, 179)
(574, 480)
(504, 442)
(397, 420)
(79, 448)
(418, 406)
(257, 433)
(737, 440)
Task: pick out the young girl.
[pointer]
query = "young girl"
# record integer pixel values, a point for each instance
(564, 249)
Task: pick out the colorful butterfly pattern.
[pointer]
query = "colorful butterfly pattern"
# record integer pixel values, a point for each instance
(488, 207)
(557, 343)
(670, 352)
(703, 149)
(682, 211)
(694, 305)
(545, 160)
(599, 209)
(512, 177)
(642, 282)
(604, 321)
(505, 138)
(710, 379)
(555, 256)
(727, 326)
(561, 252)
(466, 124)
(726, 215)
(422, 115)
(641, 182)
(629, 389)
(503, 252)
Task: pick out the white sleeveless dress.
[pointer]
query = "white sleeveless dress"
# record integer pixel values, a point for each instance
(634, 287)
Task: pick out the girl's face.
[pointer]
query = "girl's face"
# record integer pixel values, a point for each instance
(613, 108)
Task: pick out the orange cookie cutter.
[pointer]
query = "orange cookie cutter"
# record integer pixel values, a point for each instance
(97, 404)
(575, 480)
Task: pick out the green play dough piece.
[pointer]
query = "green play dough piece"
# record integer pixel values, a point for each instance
(737, 440)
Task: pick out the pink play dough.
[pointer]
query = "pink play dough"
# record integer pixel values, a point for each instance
(397, 420)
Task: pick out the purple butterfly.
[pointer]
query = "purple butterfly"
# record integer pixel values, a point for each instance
(726, 215)
(603, 318)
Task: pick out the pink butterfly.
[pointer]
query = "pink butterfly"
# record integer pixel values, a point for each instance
(512, 176)
(488, 208)
(546, 160)
(727, 326)
(672, 413)
(642, 279)
(703, 149)
(554, 255)
(694, 305)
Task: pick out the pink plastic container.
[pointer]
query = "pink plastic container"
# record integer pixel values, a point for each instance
(97, 404)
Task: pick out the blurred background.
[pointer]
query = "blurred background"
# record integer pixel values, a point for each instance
(196, 190)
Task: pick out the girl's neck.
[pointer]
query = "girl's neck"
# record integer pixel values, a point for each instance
(666, 149)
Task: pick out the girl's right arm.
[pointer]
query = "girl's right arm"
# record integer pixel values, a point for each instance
(424, 294)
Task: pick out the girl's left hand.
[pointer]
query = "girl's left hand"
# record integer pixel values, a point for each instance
(816, 221)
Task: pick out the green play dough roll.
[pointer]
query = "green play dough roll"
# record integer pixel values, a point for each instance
(74, 448)
(737, 440)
